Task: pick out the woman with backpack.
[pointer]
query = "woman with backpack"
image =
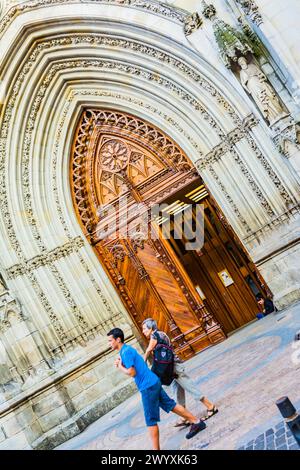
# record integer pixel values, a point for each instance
(182, 382)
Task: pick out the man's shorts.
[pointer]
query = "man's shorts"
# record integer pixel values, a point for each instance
(154, 398)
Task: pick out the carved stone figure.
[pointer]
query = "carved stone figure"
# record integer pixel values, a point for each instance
(192, 23)
(257, 85)
(251, 9)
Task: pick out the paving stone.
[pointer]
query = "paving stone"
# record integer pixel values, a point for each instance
(280, 441)
(259, 446)
(291, 440)
(271, 446)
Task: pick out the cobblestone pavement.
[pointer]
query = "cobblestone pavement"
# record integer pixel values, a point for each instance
(244, 375)
(277, 438)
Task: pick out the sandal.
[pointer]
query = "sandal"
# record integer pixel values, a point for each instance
(182, 423)
(211, 412)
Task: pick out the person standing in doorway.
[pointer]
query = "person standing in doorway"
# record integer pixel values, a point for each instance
(182, 382)
(266, 306)
(131, 363)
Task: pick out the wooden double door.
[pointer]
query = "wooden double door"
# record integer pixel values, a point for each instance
(120, 168)
(198, 296)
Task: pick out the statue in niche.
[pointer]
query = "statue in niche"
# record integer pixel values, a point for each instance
(257, 85)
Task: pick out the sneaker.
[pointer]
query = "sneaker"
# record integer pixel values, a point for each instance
(195, 428)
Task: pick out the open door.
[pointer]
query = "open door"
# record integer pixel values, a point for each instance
(120, 162)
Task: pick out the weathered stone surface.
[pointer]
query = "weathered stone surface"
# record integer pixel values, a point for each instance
(53, 418)
(11, 426)
(104, 369)
(2, 435)
(16, 442)
(26, 416)
(74, 388)
(93, 393)
(47, 404)
(87, 379)
(33, 431)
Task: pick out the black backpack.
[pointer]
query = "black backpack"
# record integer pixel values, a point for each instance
(163, 363)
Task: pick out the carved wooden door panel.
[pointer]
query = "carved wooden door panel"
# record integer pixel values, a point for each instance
(119, 164)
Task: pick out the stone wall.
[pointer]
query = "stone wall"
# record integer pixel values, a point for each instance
(62, 405)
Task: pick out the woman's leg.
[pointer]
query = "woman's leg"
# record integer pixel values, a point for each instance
(178, 393)
(187, 384)
(209, 405)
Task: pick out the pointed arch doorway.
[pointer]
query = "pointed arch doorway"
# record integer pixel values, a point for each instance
(120, 167)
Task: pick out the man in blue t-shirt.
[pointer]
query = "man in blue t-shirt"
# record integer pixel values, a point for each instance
(154, 397)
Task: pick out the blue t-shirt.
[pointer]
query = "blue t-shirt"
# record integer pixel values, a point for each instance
(131, 358)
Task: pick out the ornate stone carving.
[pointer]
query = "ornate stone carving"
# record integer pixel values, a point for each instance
(250, 34)
(41, 92)
(229, 199)
(208, 11)
(9, 304)
(20, 345)
(291, 213)
(46, 258)
(153, 6)
(192, 23)
(260, 90)
(285, 134)
(227, 145)
(204, 111)
(251, 9)
(3, 286)
(231, 42)
(249, 122)
(271, 173)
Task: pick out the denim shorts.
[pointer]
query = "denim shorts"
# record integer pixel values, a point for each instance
(154, 398)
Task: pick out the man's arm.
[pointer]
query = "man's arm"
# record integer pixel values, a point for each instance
(151, 346)
(130, 371)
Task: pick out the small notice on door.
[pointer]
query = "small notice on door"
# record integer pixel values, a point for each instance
(226, 278)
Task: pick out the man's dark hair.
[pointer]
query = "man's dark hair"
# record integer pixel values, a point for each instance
(117, 333)
(259, 296)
